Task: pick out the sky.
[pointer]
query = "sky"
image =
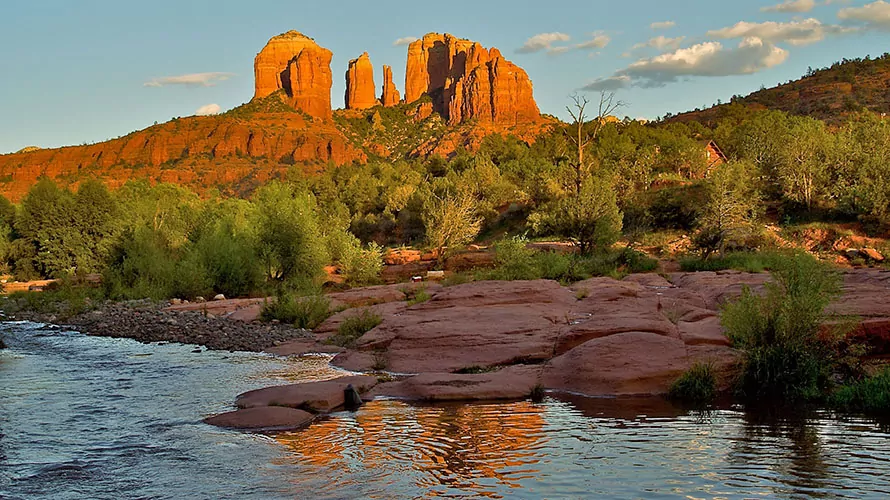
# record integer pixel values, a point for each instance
(75, 72)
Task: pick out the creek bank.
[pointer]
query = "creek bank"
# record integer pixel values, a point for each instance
(148, 322)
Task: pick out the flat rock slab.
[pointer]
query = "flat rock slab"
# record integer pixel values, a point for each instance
(510, 383)
(271, 418)
(319, 397)
(387, 310)
(303, 347)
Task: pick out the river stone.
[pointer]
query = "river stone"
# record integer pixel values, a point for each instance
(319, 397)
(263, 418)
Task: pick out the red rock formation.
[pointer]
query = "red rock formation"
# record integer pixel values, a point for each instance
(208, 151)
(294, 62)
(390, 96)
(467, 81)
(360, 84)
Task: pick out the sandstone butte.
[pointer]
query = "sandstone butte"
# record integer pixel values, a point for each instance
(295, 63)
(264, 138)
(390, 96)
(469, 82)
(360, 84)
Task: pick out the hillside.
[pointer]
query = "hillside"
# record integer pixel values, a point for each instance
(830, 94)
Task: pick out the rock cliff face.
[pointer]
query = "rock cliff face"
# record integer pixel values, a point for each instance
(467, 81)
(294, 62)
(390, 96)
(360, 84)
(200, 152)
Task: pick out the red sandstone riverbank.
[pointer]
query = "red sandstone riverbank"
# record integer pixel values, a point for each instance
(507, 340)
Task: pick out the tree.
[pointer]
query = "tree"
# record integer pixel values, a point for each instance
(450, 221)
(291, 245)
(46, 221)
(581, 134)
(730, 208)
(590, 218)
(803, 170)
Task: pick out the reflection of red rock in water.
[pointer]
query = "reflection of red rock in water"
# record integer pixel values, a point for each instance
(474, 442)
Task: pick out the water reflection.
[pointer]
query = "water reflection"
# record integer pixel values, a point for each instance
(582, 447)
(466, 447)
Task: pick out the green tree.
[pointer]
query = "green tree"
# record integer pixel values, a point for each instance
(291, 245)
(730, 209)
(451, 221)
(803, 171)
(590, 218)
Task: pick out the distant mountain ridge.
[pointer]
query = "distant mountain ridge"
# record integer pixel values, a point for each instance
(830, 94)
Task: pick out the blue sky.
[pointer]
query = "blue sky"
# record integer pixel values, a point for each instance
(75, 72)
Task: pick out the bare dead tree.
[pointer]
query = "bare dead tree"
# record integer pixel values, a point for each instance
(581, 136)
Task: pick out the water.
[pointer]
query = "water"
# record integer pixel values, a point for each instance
(87, 417)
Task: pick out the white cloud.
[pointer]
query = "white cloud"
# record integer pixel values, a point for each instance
(544, 41)
(709, 59)
(792, 6)
(874, 15)
(802, 32)
(599, 41)
(208, 109)
(406, 40)
(663, 25)
(661, 43)
(193, 80)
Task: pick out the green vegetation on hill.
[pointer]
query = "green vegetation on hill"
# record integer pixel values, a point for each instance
(832, 93)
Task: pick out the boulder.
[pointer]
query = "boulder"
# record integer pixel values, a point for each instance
(625, 364)
(268, 418)
(390, 96)
(293, 62)
(317, 397)
(360, 83)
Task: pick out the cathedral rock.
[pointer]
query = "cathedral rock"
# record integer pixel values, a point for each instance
(294, 62)
(469, 82)
(360, 84)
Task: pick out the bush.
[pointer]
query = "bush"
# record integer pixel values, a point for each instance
(696, 385)
(749, 262)
(786, 358)
(352, 328)
(363, 266)
(870, 395)
(302, 312)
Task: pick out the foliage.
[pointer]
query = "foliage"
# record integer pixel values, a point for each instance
(590, 217)
(730, 210)
(749, 262)
(416, 296)
(779, 332)
(869, 395)
(303, 312)
(450, 221)
(353, 327)
(696, 385)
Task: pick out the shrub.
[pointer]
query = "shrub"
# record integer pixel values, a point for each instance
(302, 312)
(515, 261)
(417, 296)
(749, 262)
(696, 385)
(353, 327)
(785, 356)
(869, 395)
(362, 266)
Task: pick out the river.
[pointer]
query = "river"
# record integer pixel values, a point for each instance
(92, 417)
